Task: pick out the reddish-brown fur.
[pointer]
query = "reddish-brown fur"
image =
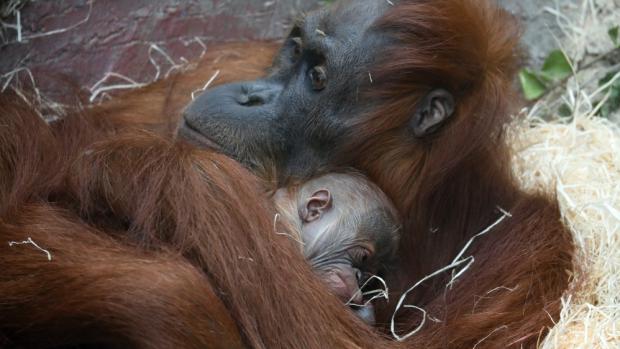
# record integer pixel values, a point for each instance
(160, 104)
(164, 204)
(131, 218)
(449, 186)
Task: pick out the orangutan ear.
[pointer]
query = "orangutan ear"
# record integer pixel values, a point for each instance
(432, 112)
(316, 206)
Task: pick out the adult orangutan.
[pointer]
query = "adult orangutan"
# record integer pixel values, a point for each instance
(416, 95)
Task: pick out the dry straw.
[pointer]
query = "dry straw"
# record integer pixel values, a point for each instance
(578, 160)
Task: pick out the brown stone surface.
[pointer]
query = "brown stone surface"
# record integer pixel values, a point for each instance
(123, 36)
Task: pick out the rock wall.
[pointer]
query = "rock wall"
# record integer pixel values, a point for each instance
(82, 40)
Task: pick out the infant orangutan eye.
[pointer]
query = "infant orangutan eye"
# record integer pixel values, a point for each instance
(359, 255)
(359, 275)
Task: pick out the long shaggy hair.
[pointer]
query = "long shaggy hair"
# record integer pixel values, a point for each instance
(157, 244)
(146, 236)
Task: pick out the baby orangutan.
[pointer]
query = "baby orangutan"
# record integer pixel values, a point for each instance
(349, 231)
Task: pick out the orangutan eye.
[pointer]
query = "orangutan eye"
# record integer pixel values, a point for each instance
(359, 275)
(297, 48)
(318, 77)
(359, 255)
(363, 279)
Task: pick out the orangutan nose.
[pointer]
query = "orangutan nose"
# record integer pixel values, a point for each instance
(343, 283)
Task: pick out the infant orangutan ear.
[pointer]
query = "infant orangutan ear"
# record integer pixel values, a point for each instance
(318, 204)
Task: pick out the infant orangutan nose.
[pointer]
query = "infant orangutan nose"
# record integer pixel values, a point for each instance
(343, 283)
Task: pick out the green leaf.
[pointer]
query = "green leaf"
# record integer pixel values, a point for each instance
(531, 85)
(565, 110)
(613, 34)
(613, 101)
(607, 78)
(556, 67)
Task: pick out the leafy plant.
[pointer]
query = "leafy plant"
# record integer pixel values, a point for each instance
(532, 86)
(535, 84)
(613, 101)
(557, 69)
(613, 34)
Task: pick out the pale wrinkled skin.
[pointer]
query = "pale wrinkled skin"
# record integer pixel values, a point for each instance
(353, 236)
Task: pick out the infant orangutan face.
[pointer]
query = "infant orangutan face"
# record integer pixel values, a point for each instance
(349, 230)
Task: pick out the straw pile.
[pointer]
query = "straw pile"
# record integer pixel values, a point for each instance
(577, 160)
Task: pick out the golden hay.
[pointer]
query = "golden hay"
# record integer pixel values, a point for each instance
(580, 160)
